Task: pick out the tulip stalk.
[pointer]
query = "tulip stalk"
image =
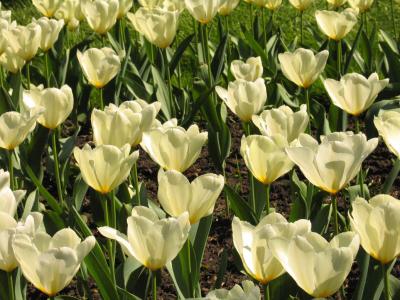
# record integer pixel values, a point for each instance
(101, 99)
(110, 246)
(267, 295)
(307, 96)
(113, 223)
(10, 281)
(335, 213)
(57, 168)
(167, 70)
(360, 175)
(46, 61)
(136, 183)
(1, 77)
(154, 285)
(268, 194)
(391, 177)
(385, 274)
(246, 127)
(11, 168)
(28, 74)
(339, 58)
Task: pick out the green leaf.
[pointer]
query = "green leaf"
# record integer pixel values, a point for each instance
(6, 104)
(223, 264)
(353, 49)
(126, 295)
(239, 206)
(79, 192)
(218, 61)
(162, 93)
(176, 58)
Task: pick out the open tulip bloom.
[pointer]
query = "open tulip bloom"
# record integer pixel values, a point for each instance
(101, 15)
(203, 10)
(250, 70)
(336, 25)
(248, 291)
(388, 125)
(152, 241)
(47, 7)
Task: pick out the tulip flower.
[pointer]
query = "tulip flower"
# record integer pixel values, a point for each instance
(244, 98)
(47, 7)
(335, 162)
(336, 25)
(151, 3)
(8, 228)
(157, 25)
(251, 242)
(354, 93)
(301, 5)
(152, 241)
(203, 10)
(70, 12)
(15, 127)
(11, 61)
(250, 70)
(388, 125)
(319, 267)
(361, 5)
(123, 8)
(4, 38)
(25, 40)
(5, 15)
(9, 199)
(265, 157)
(273, 4)
(50, 30)
(228, 7)
(99, 66)
(124, 124)
(248, 292)
(303, 67)
(50, 263)
(283, 121)
(57, 104)
(378, 224)
(173, 5)
(177, 195)
(337, 3)
(105, 167)
(172, 147)
(101, 15)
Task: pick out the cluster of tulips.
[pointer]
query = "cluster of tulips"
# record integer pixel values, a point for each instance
(172, 232)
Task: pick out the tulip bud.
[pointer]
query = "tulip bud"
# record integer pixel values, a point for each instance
(244, 98)
(47, 7)
(124, 124)
(228, 7)
(318, 267)
(337, 3)
(99, 66)
(283, 121)
(157, 25)
(152, 241)
(388, 125)
(354, 93)
(336, 25)
(173, 5)
(25, 40)
(303, 67)
(378, 224)
(70, 12)
(273, 4)
(57, 104)
(50, 32)
(50, 263)
(172, 147)
(203, 10)
(361, 5)
(251, 242)
(335, 162)
(124, 7)
(101, 15)
(177, 195)
(250, 70)
(15, 127)
(265, 157)
(248, 292)
(301, 5)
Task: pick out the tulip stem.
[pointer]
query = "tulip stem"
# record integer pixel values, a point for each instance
(335, 213)
(11, 168)
(267, 295)
(167, 70)
(1, 77)
(301, 28)
(385, 275)
(136, 183)
(339, 58)
(46, 60)
(28, 74)
(246, 127)
(207, 54)
(307, 96)
(189, 267)
(228, 46)
(360, 174)
(10, 280)
(101, 99)
(154, 285)
(393, 20)
(391, 177)
(268, 193)
(109, 242)
(57, 168)
(113, 224)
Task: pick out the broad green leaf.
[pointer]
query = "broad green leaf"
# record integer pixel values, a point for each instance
(239, 206)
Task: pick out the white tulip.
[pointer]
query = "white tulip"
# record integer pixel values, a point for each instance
(388, 125)
(336, 25)
(50, 30)
(101, 15)
(250, 70)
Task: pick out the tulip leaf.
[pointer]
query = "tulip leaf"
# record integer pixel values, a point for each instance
(6, 104)
(353, 49)
(162, 93)
(218, 61)
(178, 54)
(79, 192)
(239, 206)
(249, 40)
(126, 295)
(223, 264)
(393, 62)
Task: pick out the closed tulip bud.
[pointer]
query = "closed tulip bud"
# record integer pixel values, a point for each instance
(124, 124)
(354, 93)
(265, 157)
(9, 199)
(172, 147)
(99, 66)
(11, 61)
(50, 31)
(319, 267)
(250, 70)
(70, 12)
(47, 7)
(150, 3)
(251, 242)
(8, 228)
(336, 25)
(283, 121)
(50, 263)
(244, 98)
(25, 40)
(203, 10)
(337, 3)
(378, 224)
(101, 15)
(105, 167)
(152, 241)
(57, 104)
(388, 125)
(335, 162)
(301, 5)
(361, 5)
(248, 292)
(228, 7)
(177, 195)
(273, 4)
(157, 25)
(15, 127)
(302, 67)
(123, 8)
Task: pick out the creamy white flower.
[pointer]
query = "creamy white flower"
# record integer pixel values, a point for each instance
(250, 70)
(50, 30)
(388, 125)
(228, 7)
(101, 15)
(248, 292)
(9, 199)
(203, 10)
(25, 40)
(47, 7)
(336, 25)
(301, 5)
(361, 5)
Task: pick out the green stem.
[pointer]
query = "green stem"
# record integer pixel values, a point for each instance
(207, 54)
(189, 267)
(11, 169)
(154, 286)
(51, 298)
(301, 28)
(57, 168)
(339, 59)
(335, 214)
(393, 20)
(366, 22)
(385, 275)
(136, 183)
(264, 31)
(196, 36)
(109, 242)
(387, 186)
(1, 77)
(228, 46)
(101, 99)
(251, 17)
(226, 195)
(113, 224)
(267, 295)
(171, 100)
(307, 96)
(28, 74)
(10, 280)
(246, 127)
(46, 60)
(360, 175)
(268, 193)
